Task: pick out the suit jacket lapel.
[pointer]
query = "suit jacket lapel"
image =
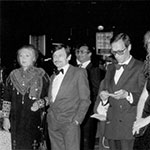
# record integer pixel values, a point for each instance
(89, 66)
(50, 87)
(65, 83)
(125, 73)
(110, 78)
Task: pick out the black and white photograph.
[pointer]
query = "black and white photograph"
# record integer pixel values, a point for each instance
(74, 75)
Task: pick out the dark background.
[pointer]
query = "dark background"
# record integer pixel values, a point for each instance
(74, 20)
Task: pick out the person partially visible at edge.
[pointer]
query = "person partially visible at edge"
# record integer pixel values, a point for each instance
(24, 86)
(121, 88)
(143, 108)
(69, 100)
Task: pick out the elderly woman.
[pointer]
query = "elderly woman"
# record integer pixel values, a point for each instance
(141, 126)
(24, 86)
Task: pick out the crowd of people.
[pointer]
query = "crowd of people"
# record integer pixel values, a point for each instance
(53, 111)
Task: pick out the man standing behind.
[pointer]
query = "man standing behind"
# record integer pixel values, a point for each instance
(95, 75)
(69, 97)
(121, 87)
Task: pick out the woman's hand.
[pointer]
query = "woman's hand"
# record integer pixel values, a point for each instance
(6, 124)
(138, 124)
(35, 106)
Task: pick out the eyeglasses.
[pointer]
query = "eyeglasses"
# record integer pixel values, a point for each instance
(119, 52)
(82, 52)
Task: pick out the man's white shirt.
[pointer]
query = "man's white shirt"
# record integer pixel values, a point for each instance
(85, 64)
(119, 72)
(57, 82)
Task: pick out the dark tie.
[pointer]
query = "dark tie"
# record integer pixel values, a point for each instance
(59, 71)
(119, 66)
(80, 65)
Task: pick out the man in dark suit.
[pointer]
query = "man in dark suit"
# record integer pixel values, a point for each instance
(95, 75)
(69, 98)
(121, 88)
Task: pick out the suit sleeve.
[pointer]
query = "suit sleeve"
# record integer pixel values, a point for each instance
(46, 82)
(84, 96)
(95, 78)
(43, 101)
(141, 82)
(101, 87)
(6, 106)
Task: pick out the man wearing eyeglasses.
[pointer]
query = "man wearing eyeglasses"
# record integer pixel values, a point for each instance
(95, 75)
(121, 88)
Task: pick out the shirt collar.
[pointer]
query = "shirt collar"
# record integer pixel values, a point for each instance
(85, 64)
(78, 62)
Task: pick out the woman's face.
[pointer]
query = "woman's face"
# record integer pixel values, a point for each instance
(26, 57)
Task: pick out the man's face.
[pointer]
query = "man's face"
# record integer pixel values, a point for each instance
(84, 54)
(120, 52)
(60, 58)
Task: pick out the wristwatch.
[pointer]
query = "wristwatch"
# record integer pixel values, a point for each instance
(76, 122)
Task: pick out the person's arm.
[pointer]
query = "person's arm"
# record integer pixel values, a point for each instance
(102, 92)
(141, 122)
(44, 100)
(40, 103)
(95, 78)
(6, 105)
(140, 83)
(141, 102)
(147, 121)
(84, 95)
